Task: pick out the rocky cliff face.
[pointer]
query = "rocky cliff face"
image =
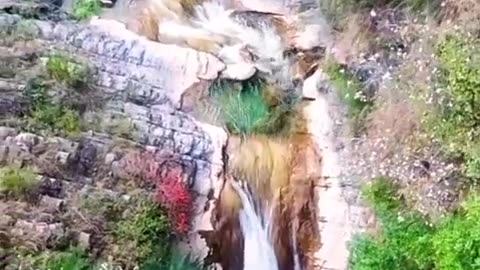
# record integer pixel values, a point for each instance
(146, 83)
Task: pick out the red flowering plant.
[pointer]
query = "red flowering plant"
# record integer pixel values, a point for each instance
(171, 192)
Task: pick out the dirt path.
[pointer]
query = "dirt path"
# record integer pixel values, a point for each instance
(340, 214)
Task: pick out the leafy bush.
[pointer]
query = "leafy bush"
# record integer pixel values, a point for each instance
(66, 70)
(456, 122)
(148, 229)
(407, 240)
(457, 242)
(84, 9)
(17, 181)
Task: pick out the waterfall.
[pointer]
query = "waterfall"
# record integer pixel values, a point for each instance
(259, 252)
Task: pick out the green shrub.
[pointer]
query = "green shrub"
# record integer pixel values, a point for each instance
(148, 229)
(457, 242)
(46, 115)
(382, 195)
(56, 118)
(245, 112)
(66, 70)
(69, 121)
(36, 93)
(84, 9)
(17, 181)
(407, 241)
(73, 259)
(456, 122)
(349, 89)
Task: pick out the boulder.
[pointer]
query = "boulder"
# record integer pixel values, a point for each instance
(239, 72)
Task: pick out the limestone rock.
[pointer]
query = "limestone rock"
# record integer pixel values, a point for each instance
(240, 71)
(6, 131)
(52, 203)
(84, 240)
(27, 139)
(83, 159)
(109, 158)
(237, 53)
(182, 66)
(62, 157)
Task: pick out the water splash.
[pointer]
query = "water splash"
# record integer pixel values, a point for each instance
(259, 252)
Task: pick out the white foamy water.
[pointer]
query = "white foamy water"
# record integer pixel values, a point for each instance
(258, 251)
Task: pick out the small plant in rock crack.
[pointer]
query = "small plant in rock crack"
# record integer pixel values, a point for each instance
(17, 181)
(64, 69)
(84, 9)
(44, 114)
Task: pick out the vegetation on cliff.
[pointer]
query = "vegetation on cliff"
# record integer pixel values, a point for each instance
(420, 132)
(407, 240)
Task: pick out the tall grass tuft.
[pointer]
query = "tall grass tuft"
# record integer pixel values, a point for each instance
(249, 109)
(245, 112)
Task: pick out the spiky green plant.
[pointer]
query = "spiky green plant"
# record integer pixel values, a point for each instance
(244, 111)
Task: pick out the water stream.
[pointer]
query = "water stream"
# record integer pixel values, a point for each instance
(256, 228)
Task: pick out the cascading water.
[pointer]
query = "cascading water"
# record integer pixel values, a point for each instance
(214, 28)
(259, 251)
